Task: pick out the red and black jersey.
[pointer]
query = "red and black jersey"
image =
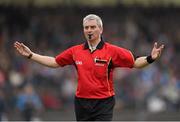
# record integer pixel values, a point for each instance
(95, 69)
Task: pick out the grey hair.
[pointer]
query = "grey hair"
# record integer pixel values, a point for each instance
(93, 17)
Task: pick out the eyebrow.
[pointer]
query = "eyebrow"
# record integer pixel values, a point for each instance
(90, 26)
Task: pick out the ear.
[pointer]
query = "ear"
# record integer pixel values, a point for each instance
(101, 30)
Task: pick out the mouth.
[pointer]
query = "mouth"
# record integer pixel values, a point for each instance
(90, 36)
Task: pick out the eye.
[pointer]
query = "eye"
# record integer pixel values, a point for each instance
(86, 27)
(93, 27)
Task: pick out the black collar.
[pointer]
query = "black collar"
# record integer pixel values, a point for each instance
(99, 46)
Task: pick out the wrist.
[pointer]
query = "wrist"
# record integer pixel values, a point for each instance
(150, 59)
(30, 56)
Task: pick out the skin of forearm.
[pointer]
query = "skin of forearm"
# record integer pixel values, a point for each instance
(141, 62)
(44, 60)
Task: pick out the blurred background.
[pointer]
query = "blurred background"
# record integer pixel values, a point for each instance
(29, 91)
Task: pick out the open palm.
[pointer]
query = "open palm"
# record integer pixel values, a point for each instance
(156, 51)
(22, 49)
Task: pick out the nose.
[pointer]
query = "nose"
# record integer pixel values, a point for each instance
(89, 30)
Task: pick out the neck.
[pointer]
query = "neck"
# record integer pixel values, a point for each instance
(94, 43)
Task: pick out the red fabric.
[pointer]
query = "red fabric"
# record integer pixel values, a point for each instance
(94, 81)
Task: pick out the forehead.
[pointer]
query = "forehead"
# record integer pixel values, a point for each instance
(90, 22)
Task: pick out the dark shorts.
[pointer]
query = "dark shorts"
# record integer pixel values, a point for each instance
(94, 109)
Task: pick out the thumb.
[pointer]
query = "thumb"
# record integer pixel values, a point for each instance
(155, 44)
(24, 46)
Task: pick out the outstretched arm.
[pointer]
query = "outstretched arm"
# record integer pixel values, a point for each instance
(26, 52)
(145, 60)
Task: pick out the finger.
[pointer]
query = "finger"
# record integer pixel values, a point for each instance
(24, 46)
(17, 46)
(17, 43)
(162, 46)
(155, 44)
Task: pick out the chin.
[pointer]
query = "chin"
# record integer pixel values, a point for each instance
(90, 39)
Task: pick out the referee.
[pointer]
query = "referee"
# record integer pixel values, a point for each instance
(95, 61)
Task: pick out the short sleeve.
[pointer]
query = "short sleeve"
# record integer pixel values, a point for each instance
(65, 58)
(122, 57)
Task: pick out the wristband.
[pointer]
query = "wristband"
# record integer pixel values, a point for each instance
(30, 55)
(149, 59)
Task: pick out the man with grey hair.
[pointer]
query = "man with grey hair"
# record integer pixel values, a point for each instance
(93, 17)
(95, 61)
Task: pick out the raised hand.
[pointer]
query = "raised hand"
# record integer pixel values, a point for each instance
(156, 51)
(22, 49)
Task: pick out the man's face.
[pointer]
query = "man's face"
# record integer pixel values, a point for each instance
(91, 30)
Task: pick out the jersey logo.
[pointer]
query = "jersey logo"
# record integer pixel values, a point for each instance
(78, 62)
(100, 62)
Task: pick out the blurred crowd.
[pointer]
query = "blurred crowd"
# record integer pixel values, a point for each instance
(30, 88)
